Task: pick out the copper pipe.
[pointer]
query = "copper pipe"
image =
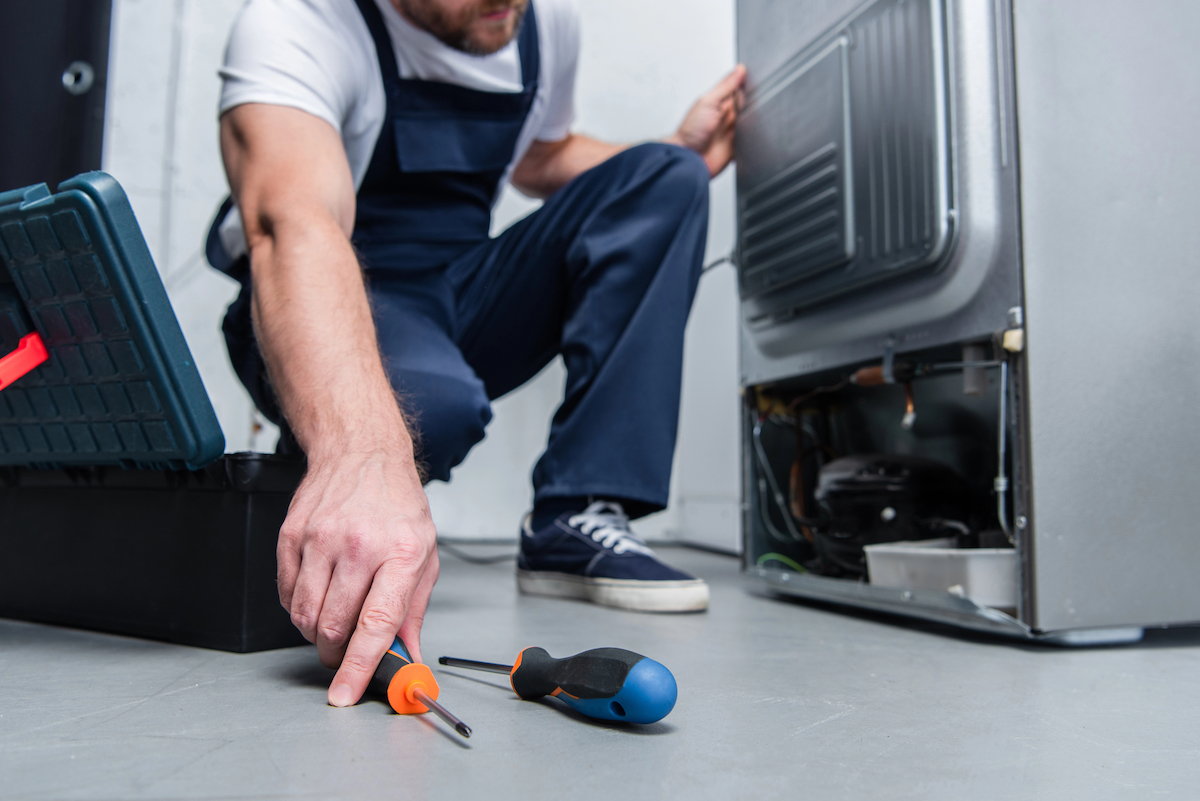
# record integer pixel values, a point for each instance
(910, 409)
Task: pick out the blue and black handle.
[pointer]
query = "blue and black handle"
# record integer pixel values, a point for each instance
(603, 683)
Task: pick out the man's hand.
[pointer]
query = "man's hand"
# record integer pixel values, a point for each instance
(708, 127)
(357, 554)
(357, 563)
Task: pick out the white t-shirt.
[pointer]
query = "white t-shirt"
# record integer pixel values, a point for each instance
(318, 56)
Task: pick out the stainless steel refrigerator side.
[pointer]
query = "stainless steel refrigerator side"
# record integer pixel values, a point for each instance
(969, 296)
(1108, 120)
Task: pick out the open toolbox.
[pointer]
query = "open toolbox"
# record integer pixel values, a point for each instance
(118, 508)
(116, 383)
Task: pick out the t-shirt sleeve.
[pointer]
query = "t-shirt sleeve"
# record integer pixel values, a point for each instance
(285, 54)
(564, 39)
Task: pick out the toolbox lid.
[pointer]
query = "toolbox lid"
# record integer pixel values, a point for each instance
(119, 385)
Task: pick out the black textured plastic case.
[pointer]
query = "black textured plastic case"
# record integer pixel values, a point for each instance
(120, 386)
(183, 556)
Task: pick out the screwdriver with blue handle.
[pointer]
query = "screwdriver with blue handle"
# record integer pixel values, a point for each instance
(410, 686)
(604, 683)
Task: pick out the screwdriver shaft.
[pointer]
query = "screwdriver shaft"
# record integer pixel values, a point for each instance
(491, 667)
(442, 712)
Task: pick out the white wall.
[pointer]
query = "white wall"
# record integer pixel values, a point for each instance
(641, 67)
(161, 144)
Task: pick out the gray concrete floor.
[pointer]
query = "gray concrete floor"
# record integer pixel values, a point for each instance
(777, 699)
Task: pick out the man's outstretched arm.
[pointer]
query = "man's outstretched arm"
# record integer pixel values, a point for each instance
(707, 129)
(357, 554)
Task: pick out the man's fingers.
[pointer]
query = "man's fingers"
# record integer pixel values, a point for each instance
(729, 84)
(732, 103)
(347, 591)
(308, 595)
(382, 613)
(410, 630)
(728, 120)
(287, 557)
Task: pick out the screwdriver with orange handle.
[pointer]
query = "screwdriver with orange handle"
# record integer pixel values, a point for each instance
(604, 683)
(410, 686)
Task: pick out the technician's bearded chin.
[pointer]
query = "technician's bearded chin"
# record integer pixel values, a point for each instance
(478, 30)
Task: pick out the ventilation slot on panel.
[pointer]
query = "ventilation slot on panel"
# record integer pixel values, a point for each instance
(793, 225)
(794, 174)
(891, 84)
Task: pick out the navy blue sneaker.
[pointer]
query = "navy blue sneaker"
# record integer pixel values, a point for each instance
(593, 556)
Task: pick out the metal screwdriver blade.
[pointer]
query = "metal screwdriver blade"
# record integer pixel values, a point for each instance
(442, 712)
(491, 667)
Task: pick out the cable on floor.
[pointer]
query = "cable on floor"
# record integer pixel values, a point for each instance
(695, 546)
(458, 553)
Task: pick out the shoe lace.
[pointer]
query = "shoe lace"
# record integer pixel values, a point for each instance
(606, 523)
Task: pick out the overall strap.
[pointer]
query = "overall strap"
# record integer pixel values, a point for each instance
(528, 49)
(383, 42)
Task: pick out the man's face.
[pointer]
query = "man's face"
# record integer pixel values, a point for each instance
(478, 27)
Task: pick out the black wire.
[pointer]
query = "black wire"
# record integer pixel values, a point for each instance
(475, 560)
(717, 263)
(818, 391)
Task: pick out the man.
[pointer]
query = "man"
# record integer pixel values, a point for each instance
(365, 142)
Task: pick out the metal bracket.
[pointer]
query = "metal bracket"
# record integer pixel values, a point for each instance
(889, 360)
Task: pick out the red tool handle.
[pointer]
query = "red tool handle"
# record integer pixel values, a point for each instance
(30, 352)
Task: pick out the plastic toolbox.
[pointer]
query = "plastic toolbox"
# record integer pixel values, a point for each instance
(185, 556)
(119, 385)
(118, 510)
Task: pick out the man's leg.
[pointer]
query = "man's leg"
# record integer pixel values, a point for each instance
(443, 398)
(604, 273)
(444, 401)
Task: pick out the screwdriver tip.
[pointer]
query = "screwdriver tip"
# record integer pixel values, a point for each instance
(443, 660)
(463, 729)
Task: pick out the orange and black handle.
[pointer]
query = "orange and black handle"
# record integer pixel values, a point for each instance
(398, 677)
(410, 686)
(603, 683)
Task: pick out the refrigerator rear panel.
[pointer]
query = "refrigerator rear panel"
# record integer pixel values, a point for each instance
(844, 168)
(892, 130)
(1086, 457)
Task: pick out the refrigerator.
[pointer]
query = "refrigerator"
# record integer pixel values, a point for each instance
(967, 250)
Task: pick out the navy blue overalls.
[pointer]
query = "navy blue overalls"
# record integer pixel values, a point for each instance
(604, 274)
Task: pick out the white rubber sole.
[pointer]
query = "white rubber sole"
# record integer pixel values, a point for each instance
(639, 596)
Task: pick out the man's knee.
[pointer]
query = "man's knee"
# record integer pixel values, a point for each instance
(679, 173)
(449, 416)
(687, 173)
